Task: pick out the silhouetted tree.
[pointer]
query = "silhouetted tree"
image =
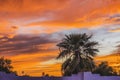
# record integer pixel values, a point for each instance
(78, 51)
(5, 65)
(43, 73)
(104, 70)
(46, 75)
(24, 74)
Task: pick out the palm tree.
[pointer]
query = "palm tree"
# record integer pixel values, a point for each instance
(78, 51)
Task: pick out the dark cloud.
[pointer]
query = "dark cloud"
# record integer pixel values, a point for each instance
(114, 18)
(117, 50)
(25, 44)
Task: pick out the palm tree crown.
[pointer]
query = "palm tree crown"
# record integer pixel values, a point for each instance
(78, 51)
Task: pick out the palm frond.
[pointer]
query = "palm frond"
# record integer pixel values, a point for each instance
(63, 54)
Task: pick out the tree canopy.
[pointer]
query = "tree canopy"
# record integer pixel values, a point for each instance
(78, 51)
(5, 65)
(104, 70)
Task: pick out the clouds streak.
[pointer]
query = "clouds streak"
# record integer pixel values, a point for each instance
(21, 44)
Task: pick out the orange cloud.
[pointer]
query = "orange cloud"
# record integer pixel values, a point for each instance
(31, 63)
(61, 14)
(4, 27)
(76, 15)
(115, 30)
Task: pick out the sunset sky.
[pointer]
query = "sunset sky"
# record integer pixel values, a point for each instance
(30, 30)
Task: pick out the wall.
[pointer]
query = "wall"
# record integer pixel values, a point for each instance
(79, 76)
